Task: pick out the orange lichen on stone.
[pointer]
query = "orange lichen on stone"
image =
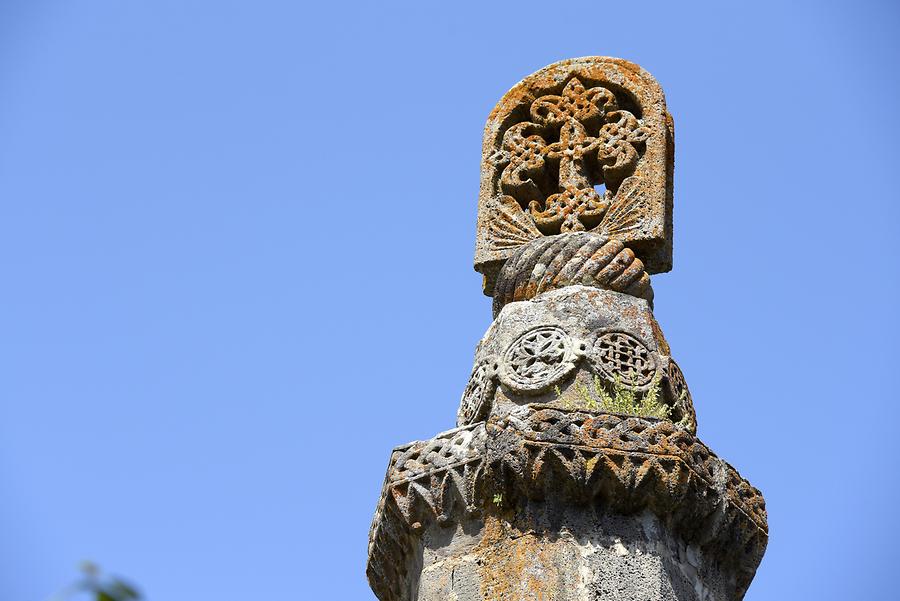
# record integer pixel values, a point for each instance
(581, 145)
(517, 565)
(575, 472)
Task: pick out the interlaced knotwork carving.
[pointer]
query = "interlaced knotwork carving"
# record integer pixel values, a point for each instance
(622, 135)
(444, 450)
(577, 206)
(476, 399)
(576, 140)
(581, 145)
(622, 357)
(523, 154)
(537, 359)
(608, 430)
(631, 463)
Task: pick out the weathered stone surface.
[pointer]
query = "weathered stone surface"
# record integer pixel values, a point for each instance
(545, 349)
(575, 472)
(580, 258)
(570, 553)
(466, 498)
(559, 136)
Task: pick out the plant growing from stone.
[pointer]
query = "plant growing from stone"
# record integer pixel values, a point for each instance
(574, 215)
(624, 399)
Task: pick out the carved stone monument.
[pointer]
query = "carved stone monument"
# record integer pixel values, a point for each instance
(575, 472)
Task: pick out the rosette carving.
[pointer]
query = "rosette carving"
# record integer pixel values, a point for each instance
(479, 393)
(538, 359)
(681, 396)
(620, 357)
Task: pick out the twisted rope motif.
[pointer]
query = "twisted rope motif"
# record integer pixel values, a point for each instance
(579, 258)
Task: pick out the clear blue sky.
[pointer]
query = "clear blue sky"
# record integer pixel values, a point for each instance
(235, 251)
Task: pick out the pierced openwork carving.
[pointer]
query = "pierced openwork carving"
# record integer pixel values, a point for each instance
(479, 393)
(581, 145)
(538, 359)
(575, 140)
(621, 357)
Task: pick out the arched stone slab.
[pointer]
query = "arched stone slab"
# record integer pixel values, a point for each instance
(582, 145)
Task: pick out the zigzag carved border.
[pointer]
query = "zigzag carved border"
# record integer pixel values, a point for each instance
(627, 463)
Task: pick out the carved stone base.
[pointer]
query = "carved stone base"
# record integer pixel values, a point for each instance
(557, 553)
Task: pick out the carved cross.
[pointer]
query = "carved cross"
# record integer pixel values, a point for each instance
(570, 203)
(574, 143)
(578, 205)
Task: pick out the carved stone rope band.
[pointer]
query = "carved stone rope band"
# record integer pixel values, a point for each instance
(583, 258)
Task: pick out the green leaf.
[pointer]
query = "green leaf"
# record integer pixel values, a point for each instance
(122, 591)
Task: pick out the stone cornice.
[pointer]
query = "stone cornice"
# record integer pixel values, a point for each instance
(627, 464)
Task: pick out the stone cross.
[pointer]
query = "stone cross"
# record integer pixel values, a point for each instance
(581, 159)
(575, 472)
(558, 135)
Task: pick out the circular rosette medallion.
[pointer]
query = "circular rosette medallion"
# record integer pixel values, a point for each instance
(681, 397)
(621, 357)
(538, 359)
(476, 400)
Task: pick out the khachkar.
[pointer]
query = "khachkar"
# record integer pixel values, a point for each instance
(575, 472)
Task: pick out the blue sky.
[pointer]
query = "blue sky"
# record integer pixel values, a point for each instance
(236, 242)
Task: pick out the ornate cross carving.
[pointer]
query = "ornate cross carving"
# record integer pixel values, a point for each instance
(551, 146)
(578, 204)
(596, 143)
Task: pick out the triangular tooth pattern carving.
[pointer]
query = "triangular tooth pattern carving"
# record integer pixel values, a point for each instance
(626, 463)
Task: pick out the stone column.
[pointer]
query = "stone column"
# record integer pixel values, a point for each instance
(575, 472)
